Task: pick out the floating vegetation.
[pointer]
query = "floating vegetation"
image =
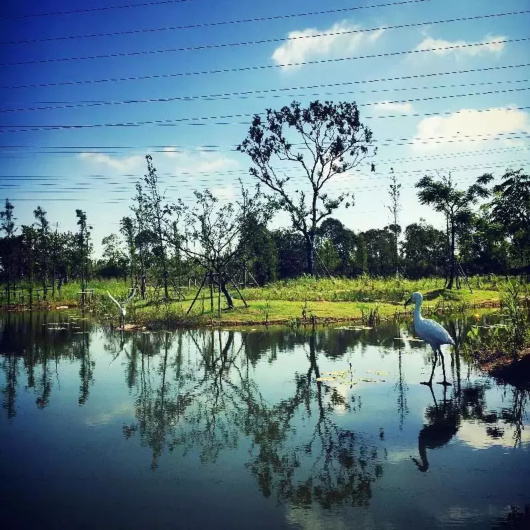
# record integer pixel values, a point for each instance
(376, 372)
(344, 377)
(354, 328)
(409, 339)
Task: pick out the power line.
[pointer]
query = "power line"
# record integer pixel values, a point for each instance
(192, 200)
(264, 67)
(386, 142)
(260, 41)
(217, 148)
(190, 121)
(283, 93)
(220, 23)
(91, 9)
(392, 162)
(221, 177)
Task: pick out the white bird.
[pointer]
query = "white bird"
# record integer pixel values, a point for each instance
(431, 332)
(123, 312)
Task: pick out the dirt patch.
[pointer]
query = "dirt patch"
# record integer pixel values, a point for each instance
(515, 371)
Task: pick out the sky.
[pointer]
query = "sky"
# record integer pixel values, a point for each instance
(86, 86)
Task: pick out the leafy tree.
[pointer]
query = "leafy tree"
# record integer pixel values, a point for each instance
(115, 262)
(257, 249)
(483, 245)
(455, 204)
(291, 252)
(423, 249)
(157, 217)
(212, 234)
(83, 247)
(343, 240)
(361, 255)
(511, 208)
(394, 208)
(380, 250)
(29, 243)
(329, 255)
(128, 230)
(43, 247)
(8, 227)
(335, 141)
(143, 235)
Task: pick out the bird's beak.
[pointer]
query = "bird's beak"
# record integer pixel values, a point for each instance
(409, 301)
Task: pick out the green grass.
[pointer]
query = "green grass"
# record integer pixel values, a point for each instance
(285, 301)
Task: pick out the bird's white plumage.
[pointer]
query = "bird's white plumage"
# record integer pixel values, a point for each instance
(429, 330)
(432, 333)
(122, 306)
(122, 309)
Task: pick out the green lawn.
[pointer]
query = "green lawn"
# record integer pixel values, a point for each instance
(286, 301)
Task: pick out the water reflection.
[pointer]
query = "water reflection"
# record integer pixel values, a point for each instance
(255, 398)
(443, 423)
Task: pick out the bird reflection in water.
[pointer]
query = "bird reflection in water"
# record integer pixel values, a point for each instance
(443, 425)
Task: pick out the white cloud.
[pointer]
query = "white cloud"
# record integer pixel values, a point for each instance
(304, 46)
(224, 193)
(121, 164)
(186, 161)
(474, 434)
(199, 161)
(214, 163)
(170, 152)
(429, 43)
(468, 124)
(394, 106)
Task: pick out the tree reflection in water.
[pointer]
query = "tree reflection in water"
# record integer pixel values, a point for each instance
(197, 391)
(35, 343)
(210, 401)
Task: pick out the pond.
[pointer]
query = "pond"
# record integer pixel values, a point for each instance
(259, 428)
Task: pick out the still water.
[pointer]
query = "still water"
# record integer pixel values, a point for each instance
(226, 430)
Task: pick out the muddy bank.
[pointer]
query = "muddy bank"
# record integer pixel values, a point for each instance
(506, 368)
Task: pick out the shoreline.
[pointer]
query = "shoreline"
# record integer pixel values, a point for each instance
(374, 312)
(505, 367)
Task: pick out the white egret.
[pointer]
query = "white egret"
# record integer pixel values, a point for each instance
(431, 332)
(123, 312)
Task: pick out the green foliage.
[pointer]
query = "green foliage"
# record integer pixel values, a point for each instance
(336, 142)
(423, 250)
(455, 204)
(510, 337)
(115, 262)
(361, 289)
(510, 207)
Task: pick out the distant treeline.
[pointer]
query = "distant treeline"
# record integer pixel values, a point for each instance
(168, 245)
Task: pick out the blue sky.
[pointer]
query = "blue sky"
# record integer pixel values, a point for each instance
(95, 168)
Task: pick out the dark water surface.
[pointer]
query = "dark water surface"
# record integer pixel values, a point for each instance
(224, 429)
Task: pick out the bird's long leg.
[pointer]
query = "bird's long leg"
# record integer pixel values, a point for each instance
(429, 383)
(444, 382)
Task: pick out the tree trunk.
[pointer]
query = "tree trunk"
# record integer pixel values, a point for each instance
(222, 283)
(8, 284)
(44, 281)
(310, 248)
(452, 266)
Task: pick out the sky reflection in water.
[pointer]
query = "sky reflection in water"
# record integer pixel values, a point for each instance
(232, 430)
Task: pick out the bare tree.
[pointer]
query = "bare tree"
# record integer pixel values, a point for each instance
(212, 233)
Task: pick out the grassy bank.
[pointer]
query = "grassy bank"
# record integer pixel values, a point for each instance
(303, 300)
(503, 350)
